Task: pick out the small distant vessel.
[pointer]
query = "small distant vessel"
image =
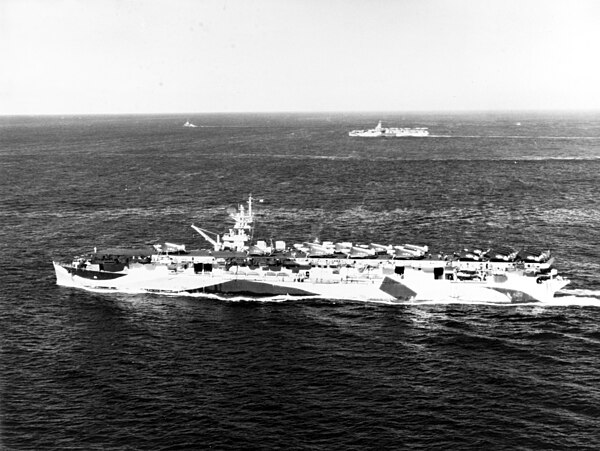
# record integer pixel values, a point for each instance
(390, 132)
(189, 124)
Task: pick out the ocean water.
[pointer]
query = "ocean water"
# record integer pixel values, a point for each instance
(85, 371)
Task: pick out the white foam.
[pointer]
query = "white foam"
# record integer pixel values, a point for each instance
(582, 293)
(277, 298)
(574, 301)
(592, 138)
(566, 298)
(581, 298)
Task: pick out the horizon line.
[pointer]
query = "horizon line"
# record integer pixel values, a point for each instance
(432, 111)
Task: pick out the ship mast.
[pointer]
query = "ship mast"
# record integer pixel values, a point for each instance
(238, 236)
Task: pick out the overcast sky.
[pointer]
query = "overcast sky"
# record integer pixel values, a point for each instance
(182, 56)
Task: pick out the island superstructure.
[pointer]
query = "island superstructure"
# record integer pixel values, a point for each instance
(234, 266)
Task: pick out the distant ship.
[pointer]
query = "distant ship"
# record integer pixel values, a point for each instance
(189, 124)
(343, 270)
(390, 132)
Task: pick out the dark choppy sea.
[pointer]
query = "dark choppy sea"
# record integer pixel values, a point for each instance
(84, 371)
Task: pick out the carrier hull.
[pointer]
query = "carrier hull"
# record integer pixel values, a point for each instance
(415, 285)
(342, 271)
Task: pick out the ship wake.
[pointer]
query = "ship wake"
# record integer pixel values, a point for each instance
(566, 298)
